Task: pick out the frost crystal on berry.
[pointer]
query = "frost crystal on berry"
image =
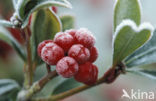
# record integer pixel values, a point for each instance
(67, 67)
(79, 53)
(94, 76)
(72, 32)
(88, 73)
(93, 54)
(64, 40)
(51, 53)
(41, 45)
(84, 36)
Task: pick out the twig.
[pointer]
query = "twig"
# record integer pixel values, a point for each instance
(48, 68)
(48, 77)
(26, 79)
(25, 95)
(34, 66)
(109, 77)
(29, 71)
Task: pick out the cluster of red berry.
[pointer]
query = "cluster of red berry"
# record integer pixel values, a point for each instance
(73, 53)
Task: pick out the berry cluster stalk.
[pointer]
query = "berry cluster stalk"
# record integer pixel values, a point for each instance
(109, 77)
(26, 95)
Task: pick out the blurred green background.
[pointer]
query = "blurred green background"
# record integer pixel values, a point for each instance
(97, 16)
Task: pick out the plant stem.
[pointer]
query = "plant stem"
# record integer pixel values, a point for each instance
(29, 70)
(108, 77)
(25, 95)
(48, 68)
(26, 79)
(41, 83)
(47, 78)
(34, 66)
(69, 93)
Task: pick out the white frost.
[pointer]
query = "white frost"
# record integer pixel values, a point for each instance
(133, 25)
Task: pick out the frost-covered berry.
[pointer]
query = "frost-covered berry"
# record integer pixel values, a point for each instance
(41, 45)
(93, 54)
(88, 73)
(80, 53)
(67, 67)
(84, 36)
(71, 32)
(51, 53)
(94, 76)
(64, 40)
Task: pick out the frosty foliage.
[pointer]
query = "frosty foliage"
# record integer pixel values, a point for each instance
(132, 24)
(128, 37)
(144, 55)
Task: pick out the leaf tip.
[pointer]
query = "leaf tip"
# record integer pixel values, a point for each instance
(126, 22)
(132, 24)
(147, 25)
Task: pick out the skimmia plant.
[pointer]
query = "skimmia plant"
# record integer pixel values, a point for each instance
(52, 40)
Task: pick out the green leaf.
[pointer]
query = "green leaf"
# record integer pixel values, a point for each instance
(6, 23)
(128, 37)
(45, 24)
(6, 36)
(145, 73)
(21, 6)
(5, 98)
(126, 9)
(144, 55)
(68, 22)
(7, 85)
(10, 96)
(34, 5)
(65, 86)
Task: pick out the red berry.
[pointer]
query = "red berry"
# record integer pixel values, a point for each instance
(71, 32)
(67, 67)
(41, 45)
(94, 76)
(93, 54)
(51, 53)
(80, 53)
(85, 37)
(88, 73)
(64, 40)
